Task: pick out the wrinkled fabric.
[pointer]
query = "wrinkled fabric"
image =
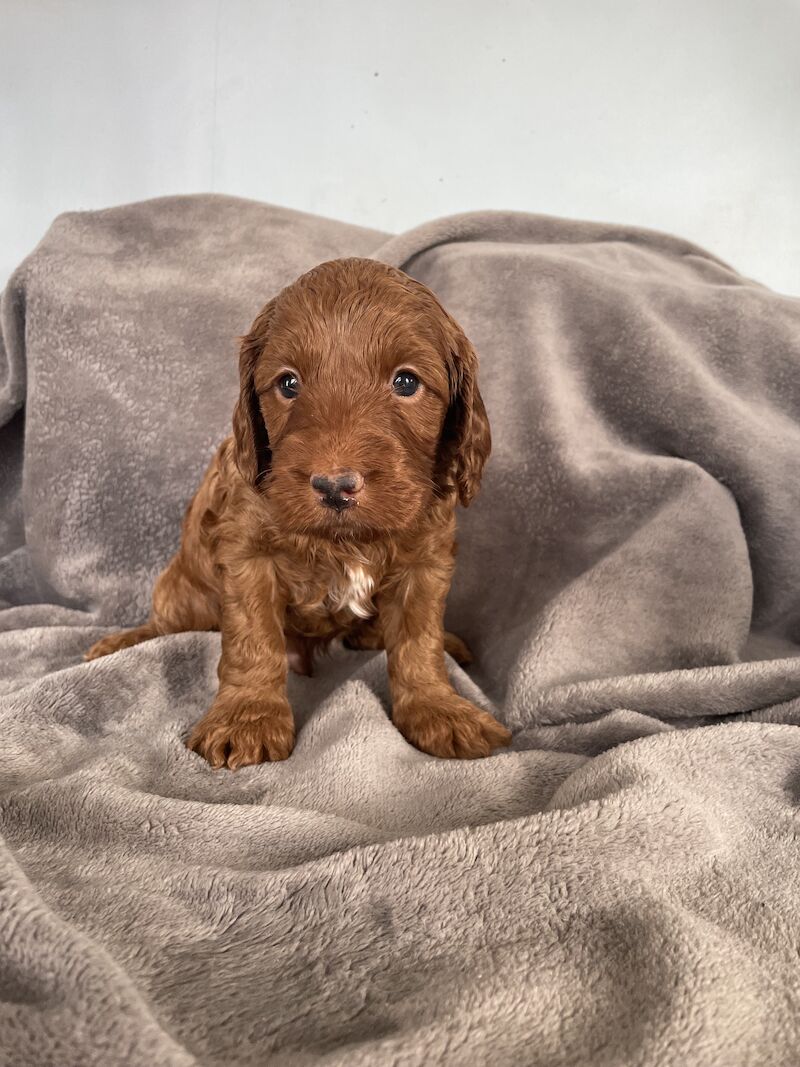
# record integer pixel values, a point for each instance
(621, 887)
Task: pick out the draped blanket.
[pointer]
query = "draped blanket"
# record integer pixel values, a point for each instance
(620, 887)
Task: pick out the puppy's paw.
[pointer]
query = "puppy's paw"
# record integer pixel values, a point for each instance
(236, 732)
(450, 727)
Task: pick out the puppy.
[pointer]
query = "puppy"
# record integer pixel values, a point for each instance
(330, 512)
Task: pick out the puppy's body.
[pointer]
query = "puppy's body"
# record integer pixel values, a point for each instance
(283, 560)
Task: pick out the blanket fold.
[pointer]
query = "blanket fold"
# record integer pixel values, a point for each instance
(622, 886)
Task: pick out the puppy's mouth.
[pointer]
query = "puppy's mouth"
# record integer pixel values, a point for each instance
(348, 517)
(342, 504)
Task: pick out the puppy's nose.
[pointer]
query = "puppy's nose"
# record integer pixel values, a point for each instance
(338, 489)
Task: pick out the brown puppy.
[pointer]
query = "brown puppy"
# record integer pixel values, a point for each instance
(330, 512)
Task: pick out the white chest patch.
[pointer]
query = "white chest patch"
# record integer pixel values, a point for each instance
(355, 593)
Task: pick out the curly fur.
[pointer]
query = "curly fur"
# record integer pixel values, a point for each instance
(279, 574)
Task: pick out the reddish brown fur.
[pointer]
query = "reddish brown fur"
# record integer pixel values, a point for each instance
(264, 562)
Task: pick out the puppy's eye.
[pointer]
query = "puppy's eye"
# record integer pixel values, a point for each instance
(405, 383)
(288, 385)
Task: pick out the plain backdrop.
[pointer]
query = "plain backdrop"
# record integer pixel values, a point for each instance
(682, 116)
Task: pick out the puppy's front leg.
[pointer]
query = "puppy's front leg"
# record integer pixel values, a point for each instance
(425, 708)
(250, 720)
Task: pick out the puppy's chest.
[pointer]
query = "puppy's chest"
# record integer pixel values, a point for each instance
(352, 592)
(335, 594)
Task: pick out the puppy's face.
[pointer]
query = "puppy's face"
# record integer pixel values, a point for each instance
(359, 403)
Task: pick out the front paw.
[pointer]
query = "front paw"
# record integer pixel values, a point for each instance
(237, 731)
(449, 727)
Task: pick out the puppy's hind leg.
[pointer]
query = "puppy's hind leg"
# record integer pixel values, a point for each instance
(179, 604)
(123, 639)
(458, 649)
(369, 635)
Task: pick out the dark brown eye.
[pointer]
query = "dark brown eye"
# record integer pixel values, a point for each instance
(288, 385)
(405, 383)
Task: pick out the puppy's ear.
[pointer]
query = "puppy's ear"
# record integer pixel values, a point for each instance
(251, 450)
(466, 439)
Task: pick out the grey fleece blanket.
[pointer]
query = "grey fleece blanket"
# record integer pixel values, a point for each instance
(622, 887)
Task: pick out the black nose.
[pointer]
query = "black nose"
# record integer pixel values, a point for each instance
(337, 490)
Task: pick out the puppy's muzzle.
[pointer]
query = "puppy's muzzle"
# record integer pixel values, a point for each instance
(339, 489)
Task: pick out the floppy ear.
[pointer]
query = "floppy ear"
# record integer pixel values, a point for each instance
(466, 439)
(251, 451)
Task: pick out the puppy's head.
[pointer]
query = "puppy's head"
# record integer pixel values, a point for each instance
(359, 403)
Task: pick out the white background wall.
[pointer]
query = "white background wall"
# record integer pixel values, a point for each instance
(682, 115)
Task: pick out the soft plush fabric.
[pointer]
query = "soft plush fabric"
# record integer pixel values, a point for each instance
(622, 887)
